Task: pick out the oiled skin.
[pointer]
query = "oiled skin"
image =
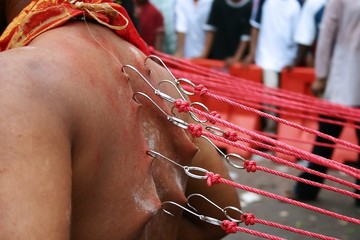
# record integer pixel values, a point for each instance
(73, 162)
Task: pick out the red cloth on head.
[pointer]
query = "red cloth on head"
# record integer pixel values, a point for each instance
(42, 15)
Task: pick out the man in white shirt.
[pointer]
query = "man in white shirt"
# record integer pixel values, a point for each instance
(190, 24)
(307, 30)
(272, 39)
(337, 77)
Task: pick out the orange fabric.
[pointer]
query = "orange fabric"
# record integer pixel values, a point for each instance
(42, 15)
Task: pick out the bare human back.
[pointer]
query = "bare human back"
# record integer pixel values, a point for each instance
(73, 146)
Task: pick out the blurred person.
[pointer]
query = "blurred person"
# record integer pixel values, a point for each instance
(151, 23)
(272, 41)
(307, 31)
(167, 8)
(228, 30)
(191, 17)
(130, 9)
(73, 161)
(337, 79)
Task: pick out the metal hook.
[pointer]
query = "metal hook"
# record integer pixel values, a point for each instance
(187, 169)
(176, 121)
(149, 98)
(162, 63)
(177, 80)
(193, 115)
(178, 83)
(137, 71)
(227, 156)
(204, 218)
(224, 210)
(173, 84)
(202, 196)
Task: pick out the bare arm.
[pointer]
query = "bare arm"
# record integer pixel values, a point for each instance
(301, 54)
(209, 39)
(35, 167)
(238, 54)
(180, 45)
(208, 158)
(159, 41)
(223, 195)
(253, 44)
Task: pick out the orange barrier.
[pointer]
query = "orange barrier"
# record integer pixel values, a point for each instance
(251, 72)
(300, 80)
(247, 120)
(210, 63)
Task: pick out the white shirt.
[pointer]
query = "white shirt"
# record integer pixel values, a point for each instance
(276, 47)
(191, 18)
(338, 52)
(306, 30)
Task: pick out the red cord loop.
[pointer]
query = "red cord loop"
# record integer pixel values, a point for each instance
(214, 114)
(195, 130)
(200, 89)
(181, 105)
(232, 136)
(212, 178)
(250, 166)
(248, 219)
(229, 226)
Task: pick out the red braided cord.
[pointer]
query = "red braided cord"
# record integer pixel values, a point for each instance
(281, 161)
(299, 179)
(288, 123)
(224, 82)
(299, 103)
(234, 229)
(306, 155)
(216, 178)
(295, 230)
(271, 135)
(342, 112)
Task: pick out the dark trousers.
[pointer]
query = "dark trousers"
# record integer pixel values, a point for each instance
(308, 192)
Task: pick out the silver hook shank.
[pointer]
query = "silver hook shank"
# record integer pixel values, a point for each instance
(207, 219)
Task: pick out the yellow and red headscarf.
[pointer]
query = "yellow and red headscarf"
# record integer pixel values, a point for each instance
(42, 15)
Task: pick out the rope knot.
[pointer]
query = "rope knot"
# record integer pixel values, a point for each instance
(212, 178)
(248, 219)
(232, 136)
(250, 166)
(200, 89)
(195, 130)
(214, 114)
(181, 105)
(229, 226)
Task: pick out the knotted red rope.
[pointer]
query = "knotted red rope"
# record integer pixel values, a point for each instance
(232, 136)
(229, 226)
(195, 130)
(200, 89)
(214, 114)
(248, 218)
(181, 105)
(250, 166)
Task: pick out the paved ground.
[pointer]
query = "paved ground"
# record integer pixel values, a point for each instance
(276, 211)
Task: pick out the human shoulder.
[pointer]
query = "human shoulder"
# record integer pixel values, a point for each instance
(29, 75)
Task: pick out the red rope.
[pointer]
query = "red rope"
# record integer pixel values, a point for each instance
(222, 82)
(216, 178)
(231, 227)
(306, 155)
(250, 96)
(282, 161)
